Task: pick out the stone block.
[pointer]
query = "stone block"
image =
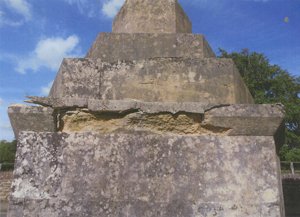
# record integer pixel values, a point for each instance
(259, 120)
(151, 16)
(111, 47)
(210, 81)
(31, 118)
(144, 174)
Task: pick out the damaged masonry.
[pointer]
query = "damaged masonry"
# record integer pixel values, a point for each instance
(149, 124)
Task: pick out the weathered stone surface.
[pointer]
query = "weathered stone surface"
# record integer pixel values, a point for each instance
(145, 174)
(112, 47)
(31, 118)
(151, 16)
(210, 81)
(246, 119)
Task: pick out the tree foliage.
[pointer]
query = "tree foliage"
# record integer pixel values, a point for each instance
(7, 151)
(271, 84)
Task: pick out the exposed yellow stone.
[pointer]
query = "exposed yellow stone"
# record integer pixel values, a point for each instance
(180, 123)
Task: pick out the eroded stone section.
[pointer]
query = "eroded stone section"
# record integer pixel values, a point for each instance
(88, 174)
(151, 16)
(112, 47)
(31, 118)
(160, 123)
(231, 120)
(106, 116)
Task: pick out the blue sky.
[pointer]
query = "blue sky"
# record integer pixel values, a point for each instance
(36, 34)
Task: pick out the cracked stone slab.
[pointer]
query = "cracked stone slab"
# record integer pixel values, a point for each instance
(112, 47)
(147, 107)
(88, 174)
(31, 118)
(96, 105)
(59, 103)
(151, 16)
(211, 81)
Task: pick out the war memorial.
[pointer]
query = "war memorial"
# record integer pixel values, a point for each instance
(149, 124)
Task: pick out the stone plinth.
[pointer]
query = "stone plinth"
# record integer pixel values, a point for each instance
(151, 16)
(111, 47)
(144, 174)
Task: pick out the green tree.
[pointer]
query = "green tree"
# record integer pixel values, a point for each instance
(271, 84)
(7, 151)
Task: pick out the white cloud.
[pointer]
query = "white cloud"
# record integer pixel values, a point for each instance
(110, 8)
(5, 127)
(46, 89)
(86, 7)
(21, 7)
(49, 53)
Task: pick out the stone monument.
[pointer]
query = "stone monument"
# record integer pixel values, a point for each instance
(149, 124)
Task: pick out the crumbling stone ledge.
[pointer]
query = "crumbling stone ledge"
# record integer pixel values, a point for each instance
(106, 116)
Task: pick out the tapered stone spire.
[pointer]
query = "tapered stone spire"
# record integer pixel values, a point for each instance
(151, 16)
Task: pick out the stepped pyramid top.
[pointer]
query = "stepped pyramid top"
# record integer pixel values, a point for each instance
(152, 16)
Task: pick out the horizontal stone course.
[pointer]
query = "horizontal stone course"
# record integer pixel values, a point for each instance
(111, 47)
(152, 80)
(233, 120)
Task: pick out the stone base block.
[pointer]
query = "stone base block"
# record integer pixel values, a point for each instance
(144, 174)
(112, 47)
